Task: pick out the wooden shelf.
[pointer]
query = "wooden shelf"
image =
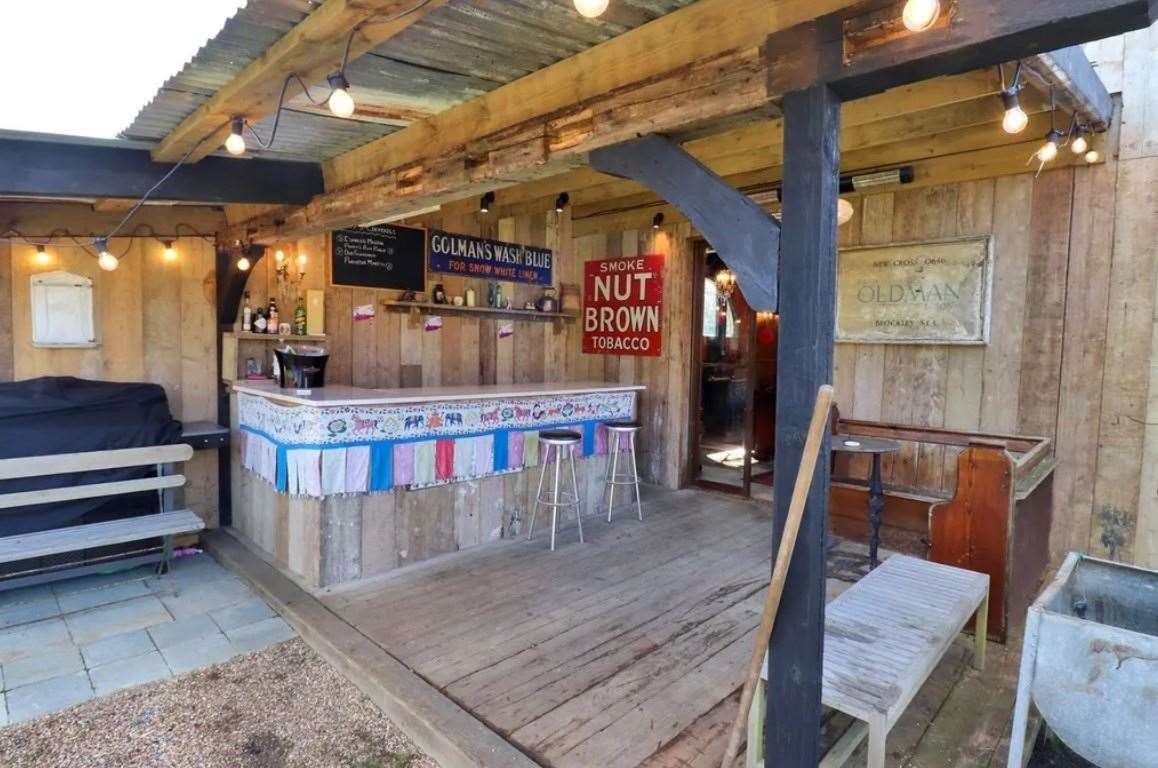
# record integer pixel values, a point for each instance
(243, 336)
(429, 308)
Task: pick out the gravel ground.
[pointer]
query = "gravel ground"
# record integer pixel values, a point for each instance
(282, 707)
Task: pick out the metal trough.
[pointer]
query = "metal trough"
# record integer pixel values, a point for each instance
(1090, 664)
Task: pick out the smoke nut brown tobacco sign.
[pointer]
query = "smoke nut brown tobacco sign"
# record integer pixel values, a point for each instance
(622, 306)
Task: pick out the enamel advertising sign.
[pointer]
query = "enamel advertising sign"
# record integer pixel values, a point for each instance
(489, 259)
(622, 306)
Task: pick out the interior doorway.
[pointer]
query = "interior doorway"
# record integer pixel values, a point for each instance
(733, 384)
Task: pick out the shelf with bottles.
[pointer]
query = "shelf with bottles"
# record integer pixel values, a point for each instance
(287, 337)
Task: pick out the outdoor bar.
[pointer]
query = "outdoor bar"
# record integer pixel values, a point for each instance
(589, 383)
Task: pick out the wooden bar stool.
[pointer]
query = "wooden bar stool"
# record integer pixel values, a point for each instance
(629, 476)
(554, 441)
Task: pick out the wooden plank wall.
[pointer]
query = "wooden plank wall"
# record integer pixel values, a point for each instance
(155, 323)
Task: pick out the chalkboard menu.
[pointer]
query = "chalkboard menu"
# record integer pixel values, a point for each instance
(383, 256)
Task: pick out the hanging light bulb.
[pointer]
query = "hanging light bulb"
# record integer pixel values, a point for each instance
(341, 103)
(919, 15)
(1093, 156)
(170, 253)
(42, 257)
(1049, 150)
(1015, 119)
(591, 9)
(243, 264)
(844, 211)
(235, 144)
(106, 260)
(1080, 143)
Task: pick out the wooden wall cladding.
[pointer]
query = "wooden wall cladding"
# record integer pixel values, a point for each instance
(155, 323)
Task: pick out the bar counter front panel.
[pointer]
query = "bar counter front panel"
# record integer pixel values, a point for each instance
(345, 483)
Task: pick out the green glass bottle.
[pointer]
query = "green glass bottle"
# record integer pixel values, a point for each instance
(300, 317)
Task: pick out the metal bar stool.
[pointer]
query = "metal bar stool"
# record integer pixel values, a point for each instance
(630, 476)
(554, 441)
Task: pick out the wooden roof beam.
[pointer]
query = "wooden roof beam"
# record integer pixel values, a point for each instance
(312, 50)
(1076, 85)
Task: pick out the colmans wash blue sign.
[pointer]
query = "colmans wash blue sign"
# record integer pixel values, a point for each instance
(488, 259)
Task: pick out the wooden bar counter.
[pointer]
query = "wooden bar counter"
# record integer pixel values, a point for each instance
(341, 483)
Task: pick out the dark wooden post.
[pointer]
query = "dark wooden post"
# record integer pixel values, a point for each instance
(807, 322)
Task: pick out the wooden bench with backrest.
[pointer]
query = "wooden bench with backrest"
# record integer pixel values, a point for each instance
(968, 499)
(882, 639)
(165, 524)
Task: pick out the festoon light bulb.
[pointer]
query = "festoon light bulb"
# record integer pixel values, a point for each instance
(591, 8)
(341, 103)
(1093, 156)
(170, 253)
(106, 260)
(844, 211)
(1015, 119)
(919, 15)
(1048, 151)
(1080, 143)
(235, 144)
(243, 264)
(42, 257)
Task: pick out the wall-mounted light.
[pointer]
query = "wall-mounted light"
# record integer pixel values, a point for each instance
(106, 260)
(279, 256)
(170, 253)
(485, 203)
(42, 258)
(657, 221)
(561, 202)
(591, 9)
(301, 261)
(919, 15)
(341, 103)
(235, 144)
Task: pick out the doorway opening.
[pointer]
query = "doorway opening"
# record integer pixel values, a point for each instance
(733, 384)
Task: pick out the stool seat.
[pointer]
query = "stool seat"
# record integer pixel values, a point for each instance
(623, 426)
(625, 429)
(559, 436)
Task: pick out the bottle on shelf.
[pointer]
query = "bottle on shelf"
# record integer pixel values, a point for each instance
(271, 319)
(247, 315)
(259, 321)
(300, 317)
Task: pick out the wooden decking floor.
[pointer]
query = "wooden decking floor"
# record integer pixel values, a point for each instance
(626, 650)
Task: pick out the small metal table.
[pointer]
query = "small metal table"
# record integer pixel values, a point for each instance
(876, 447)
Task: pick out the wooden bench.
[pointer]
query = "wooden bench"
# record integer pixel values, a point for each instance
(165, 524)
(972, 500)
(882, 639)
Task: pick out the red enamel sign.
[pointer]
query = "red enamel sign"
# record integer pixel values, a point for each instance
(622, 306)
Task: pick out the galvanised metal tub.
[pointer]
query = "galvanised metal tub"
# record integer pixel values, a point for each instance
(1090, 664)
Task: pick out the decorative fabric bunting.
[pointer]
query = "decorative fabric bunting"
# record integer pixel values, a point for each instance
(324, 451)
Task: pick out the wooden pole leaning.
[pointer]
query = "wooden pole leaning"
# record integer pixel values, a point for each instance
(817, 431)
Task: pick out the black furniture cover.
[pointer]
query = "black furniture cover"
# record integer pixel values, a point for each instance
(67, 415)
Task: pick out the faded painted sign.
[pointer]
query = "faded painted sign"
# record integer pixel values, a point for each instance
(915, 293)
(622, 301)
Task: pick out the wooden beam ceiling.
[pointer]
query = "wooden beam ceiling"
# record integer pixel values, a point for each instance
(312, 50)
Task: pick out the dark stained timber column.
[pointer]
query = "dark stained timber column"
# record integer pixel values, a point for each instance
(807, 322)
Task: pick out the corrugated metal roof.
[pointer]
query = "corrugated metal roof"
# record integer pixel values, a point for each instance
(454, 54)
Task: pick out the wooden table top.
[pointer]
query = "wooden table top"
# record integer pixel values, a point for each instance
(862, 444)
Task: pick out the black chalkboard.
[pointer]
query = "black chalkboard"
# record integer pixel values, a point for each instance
(383, 256)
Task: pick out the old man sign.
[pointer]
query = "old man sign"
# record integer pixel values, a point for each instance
(622, 301)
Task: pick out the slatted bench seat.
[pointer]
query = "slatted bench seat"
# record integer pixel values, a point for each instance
(165, 524)
(882, 639)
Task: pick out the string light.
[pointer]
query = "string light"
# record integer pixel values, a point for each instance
(591, 9)
(243, 264)
(106, 260)
(341, 103)
(1049, 150)
(1093, 156)
(844, 211)
(42, 257)
(1015, 119)
(1080, 144)
(235, 144)
(561, 202)
(919, 15)
(170, 253)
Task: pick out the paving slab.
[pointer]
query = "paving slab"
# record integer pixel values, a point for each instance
(241, 614)
(186, 570)
(183, 630)
(117, 647)
(61, 660)
(72, 602)
(44, 607)
(11, 597)
(101, 580)
(126, 673)
(259, 635)
(31, 639)
(48, 696)
(3, 711)
(185, 657)
(201, 597)
(108, 620)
